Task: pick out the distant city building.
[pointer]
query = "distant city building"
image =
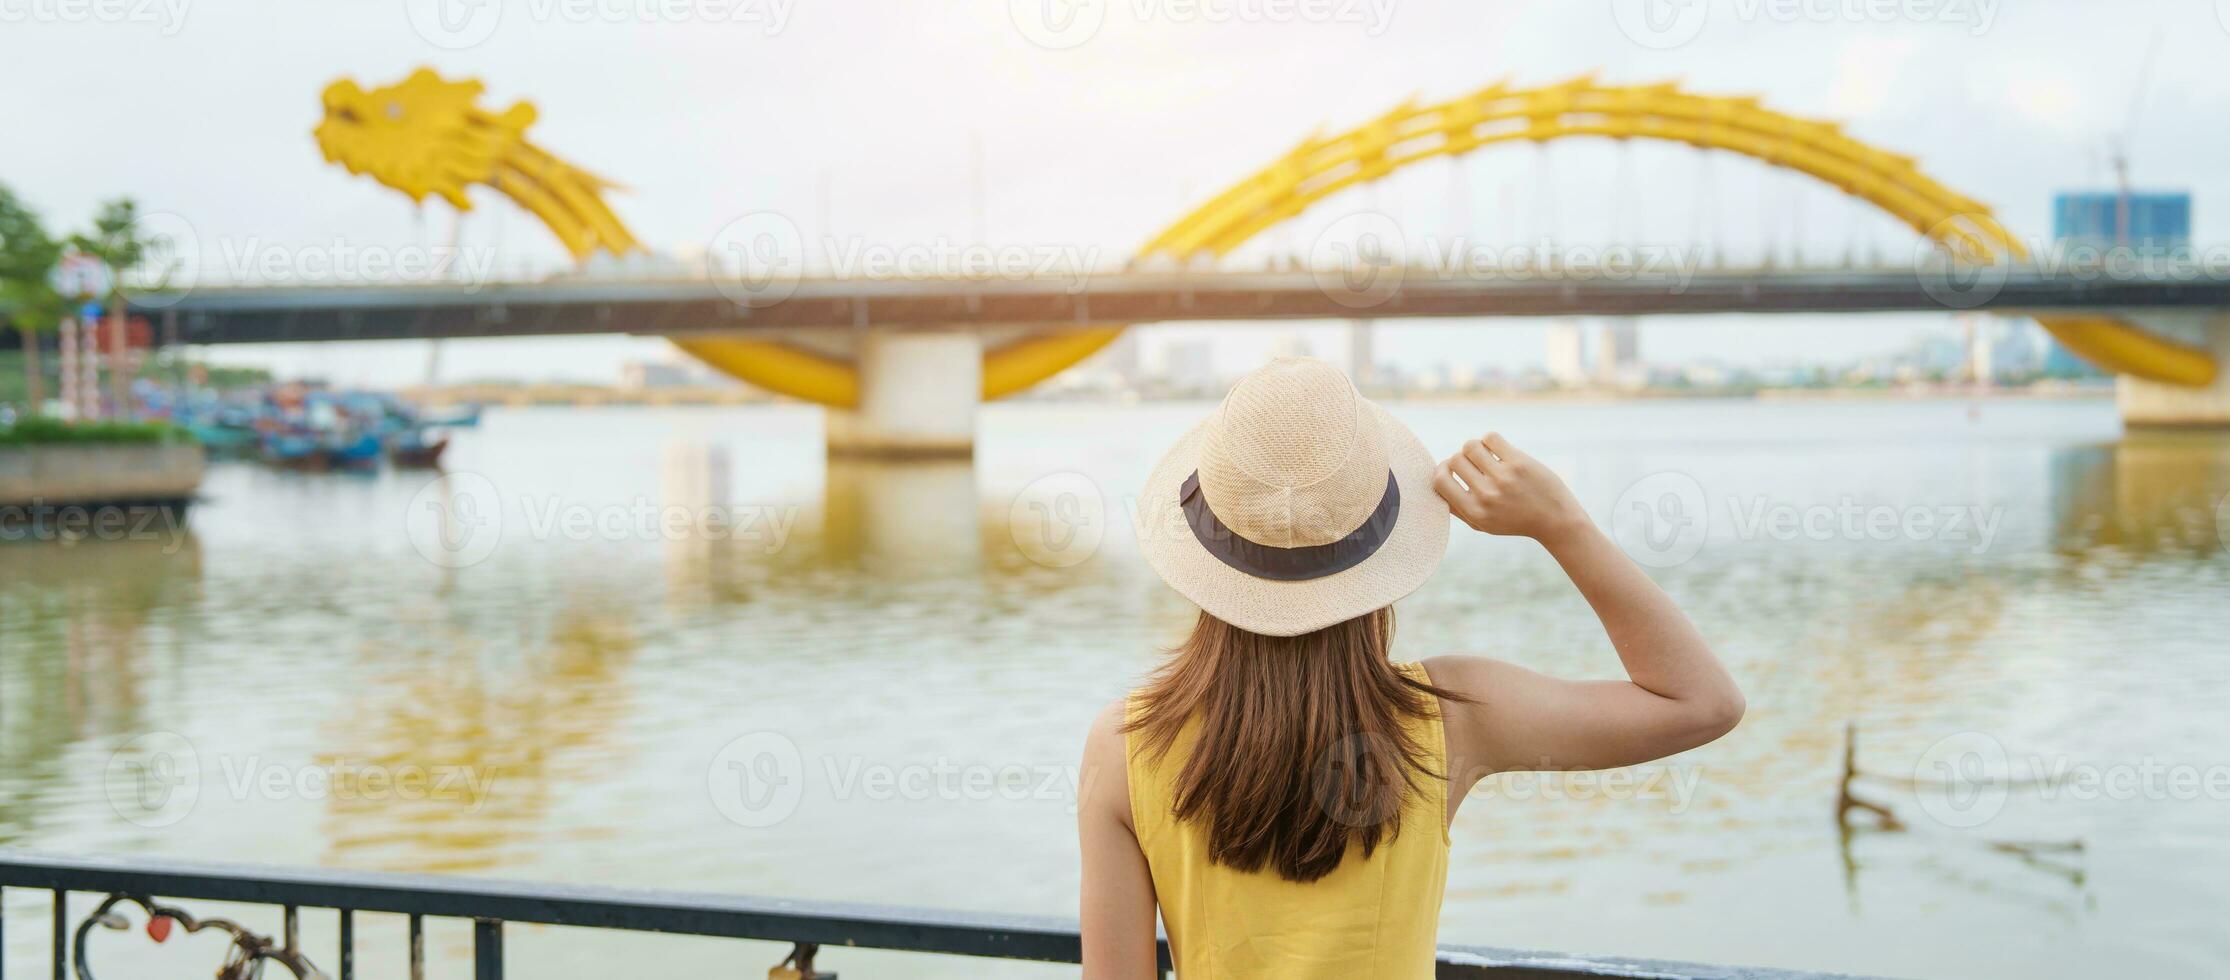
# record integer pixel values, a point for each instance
(1121, 357)
(1939, 355)
(638, 375)
(1705, 374)
(1979, 341)
(1567, 364)
(2152, 223)
(2059, 362)
(1188, 364)
(1618, 362)
(2155, 222)
(1362, 363)
(2020, 349)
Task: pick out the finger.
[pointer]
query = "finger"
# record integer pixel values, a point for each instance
(1462, 466)
(1501, 447)
(1480, 457)
(1444, 483)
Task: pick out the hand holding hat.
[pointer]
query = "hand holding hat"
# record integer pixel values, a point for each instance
(1495, 487)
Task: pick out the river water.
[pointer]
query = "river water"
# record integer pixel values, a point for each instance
(677, 648)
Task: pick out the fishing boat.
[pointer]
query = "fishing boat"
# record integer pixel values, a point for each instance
(305, 427)
(414, 450)
(293, 451)
(457, 417)
(224, 441)
(361, 452)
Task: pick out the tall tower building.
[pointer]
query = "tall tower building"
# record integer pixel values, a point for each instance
(1122, 358)
(2145, 225)
(1567, 354)
(1618, 361)
(1362, 362)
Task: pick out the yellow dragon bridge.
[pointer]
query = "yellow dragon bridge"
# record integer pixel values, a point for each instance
(427, 135)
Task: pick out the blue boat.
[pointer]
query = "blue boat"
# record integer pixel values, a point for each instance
(354, 453)
(293, 450)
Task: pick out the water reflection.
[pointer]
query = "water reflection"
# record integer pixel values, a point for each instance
(452, 759)
(709, 561)
(1858, 815)
(881, 536)
(76, 650)
(2151, 493)
(902, 520)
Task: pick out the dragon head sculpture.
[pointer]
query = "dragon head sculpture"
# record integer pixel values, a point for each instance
(429, 135)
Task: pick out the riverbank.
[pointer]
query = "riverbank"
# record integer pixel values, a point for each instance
(96, 480)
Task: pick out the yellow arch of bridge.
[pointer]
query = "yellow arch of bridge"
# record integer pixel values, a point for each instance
(1321, 166)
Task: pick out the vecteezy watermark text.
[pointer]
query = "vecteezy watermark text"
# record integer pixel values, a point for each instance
(339, 261)
(157, 779)
(1362, 259)
(758, 259)
(457, 519)
(1967, 778)
(1664, 519)
(1674, 786)
(947, 259)
(458, 24)
(41, 521)
(168, 16)
(1663, 24)
(1061, 24)
(178, 258)
(759, 780)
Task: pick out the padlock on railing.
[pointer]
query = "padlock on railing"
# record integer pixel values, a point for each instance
(245, 956)
(799, 965)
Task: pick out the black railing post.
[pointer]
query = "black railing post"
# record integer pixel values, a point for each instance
(487, 949)
(417, 946)
(348, 944)
(61, 934)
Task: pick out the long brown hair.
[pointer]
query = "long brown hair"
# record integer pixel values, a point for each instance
(1300, 748)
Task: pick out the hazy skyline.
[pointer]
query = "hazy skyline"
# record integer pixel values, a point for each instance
(867, 127)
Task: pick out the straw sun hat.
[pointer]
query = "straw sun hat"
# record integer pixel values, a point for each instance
(1297, 504)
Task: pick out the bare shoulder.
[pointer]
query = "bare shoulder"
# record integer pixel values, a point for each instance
(1103, 782)
(1107, 728)
(1477, 678)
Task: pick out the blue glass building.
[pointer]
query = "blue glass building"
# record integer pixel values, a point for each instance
(2159, 221)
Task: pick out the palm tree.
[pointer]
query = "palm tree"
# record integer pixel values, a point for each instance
(28, 301)
(120, 243)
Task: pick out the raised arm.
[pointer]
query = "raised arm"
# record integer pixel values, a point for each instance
(1676, 697)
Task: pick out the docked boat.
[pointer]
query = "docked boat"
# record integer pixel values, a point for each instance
(303, 427)
(415, 450)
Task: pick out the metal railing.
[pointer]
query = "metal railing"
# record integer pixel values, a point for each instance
(490, 904)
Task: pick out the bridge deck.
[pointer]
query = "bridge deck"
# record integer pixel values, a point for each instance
(264, 314)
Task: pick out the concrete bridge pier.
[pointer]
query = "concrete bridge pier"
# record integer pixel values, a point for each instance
(918, 392)
(2150, 404)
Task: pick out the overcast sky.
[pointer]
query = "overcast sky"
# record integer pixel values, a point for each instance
(1093, 132)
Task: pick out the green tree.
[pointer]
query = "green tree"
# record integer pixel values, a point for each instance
(120, 243)
(28, 301)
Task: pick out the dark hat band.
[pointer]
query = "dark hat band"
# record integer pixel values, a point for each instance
(1288, 564)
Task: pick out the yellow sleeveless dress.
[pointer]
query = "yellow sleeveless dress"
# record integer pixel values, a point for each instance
(1375, 918)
